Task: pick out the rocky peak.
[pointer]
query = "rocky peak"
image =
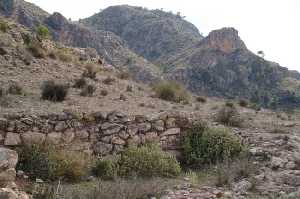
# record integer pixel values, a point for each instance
(226, 40)
(56, 21)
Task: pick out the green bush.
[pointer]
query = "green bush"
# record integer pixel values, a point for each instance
(171, 91)
(106, 169)
(209, 145)
(80, 83)
(42, 32)
(148, 161)
(230, 116)
(51, 164)
(54, 92)
(4, 26)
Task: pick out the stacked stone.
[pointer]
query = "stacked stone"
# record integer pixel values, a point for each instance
(8, 188)
(99, 133)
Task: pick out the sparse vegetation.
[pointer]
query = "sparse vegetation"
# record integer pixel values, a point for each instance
(90, 71)
(64, 56)
(171, 91)
(88, 90)
(49, 163)
(104, 92)
(109, 80)
(54, 92)
(201, 99)
(204, 145)
(119, 189)
(229, 115)
(124, 75)
(243, 103)
(42, 32)
(80, 83)
(3, 26)
(15, 89)
(36, 49)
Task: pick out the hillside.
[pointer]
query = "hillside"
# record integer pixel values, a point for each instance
(113, 137)
(109, 46)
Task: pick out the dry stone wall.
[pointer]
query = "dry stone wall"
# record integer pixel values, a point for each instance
(99, 133)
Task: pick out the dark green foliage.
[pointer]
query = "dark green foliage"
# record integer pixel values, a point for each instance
(33, 159)
(201, 99)
(229, 115)
(80, 83)
(54, 92)
(88, 90)
(106, 169)
(171, 91)
(209, 145)
(243, 103)
(3, 26)
(148, 161)
(42, 32)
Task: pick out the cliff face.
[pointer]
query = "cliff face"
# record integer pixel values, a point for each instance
(153, 34)
(221, 65)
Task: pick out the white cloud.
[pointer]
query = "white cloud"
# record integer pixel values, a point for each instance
(268, 25)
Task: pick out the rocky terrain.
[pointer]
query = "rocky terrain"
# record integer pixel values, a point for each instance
(121, 111)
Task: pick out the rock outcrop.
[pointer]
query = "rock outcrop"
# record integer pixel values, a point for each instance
(153, 34)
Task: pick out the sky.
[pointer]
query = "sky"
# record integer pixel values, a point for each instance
(269, 25)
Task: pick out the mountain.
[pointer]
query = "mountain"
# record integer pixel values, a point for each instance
(153, 44)
(153, 34)
(217, 65)
(110, 47)
(221, 65)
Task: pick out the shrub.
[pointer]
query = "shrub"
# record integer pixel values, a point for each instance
(64, 55)
(171, 91)
(36, 49)
(2, 92)
(148, 161)
(15, 89)
(51, 164)
(42, 32)
(129, 88)
(54, 92)
(52, 55)
(80, 83)
(88, 90)
(209, 145)
(104, 92)
(229, 115)
(243, 103)
(109, 80)
(90, 71)
(229, 104)
(124, 75)
(201, 99)
(106, 169)
(4, 26)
